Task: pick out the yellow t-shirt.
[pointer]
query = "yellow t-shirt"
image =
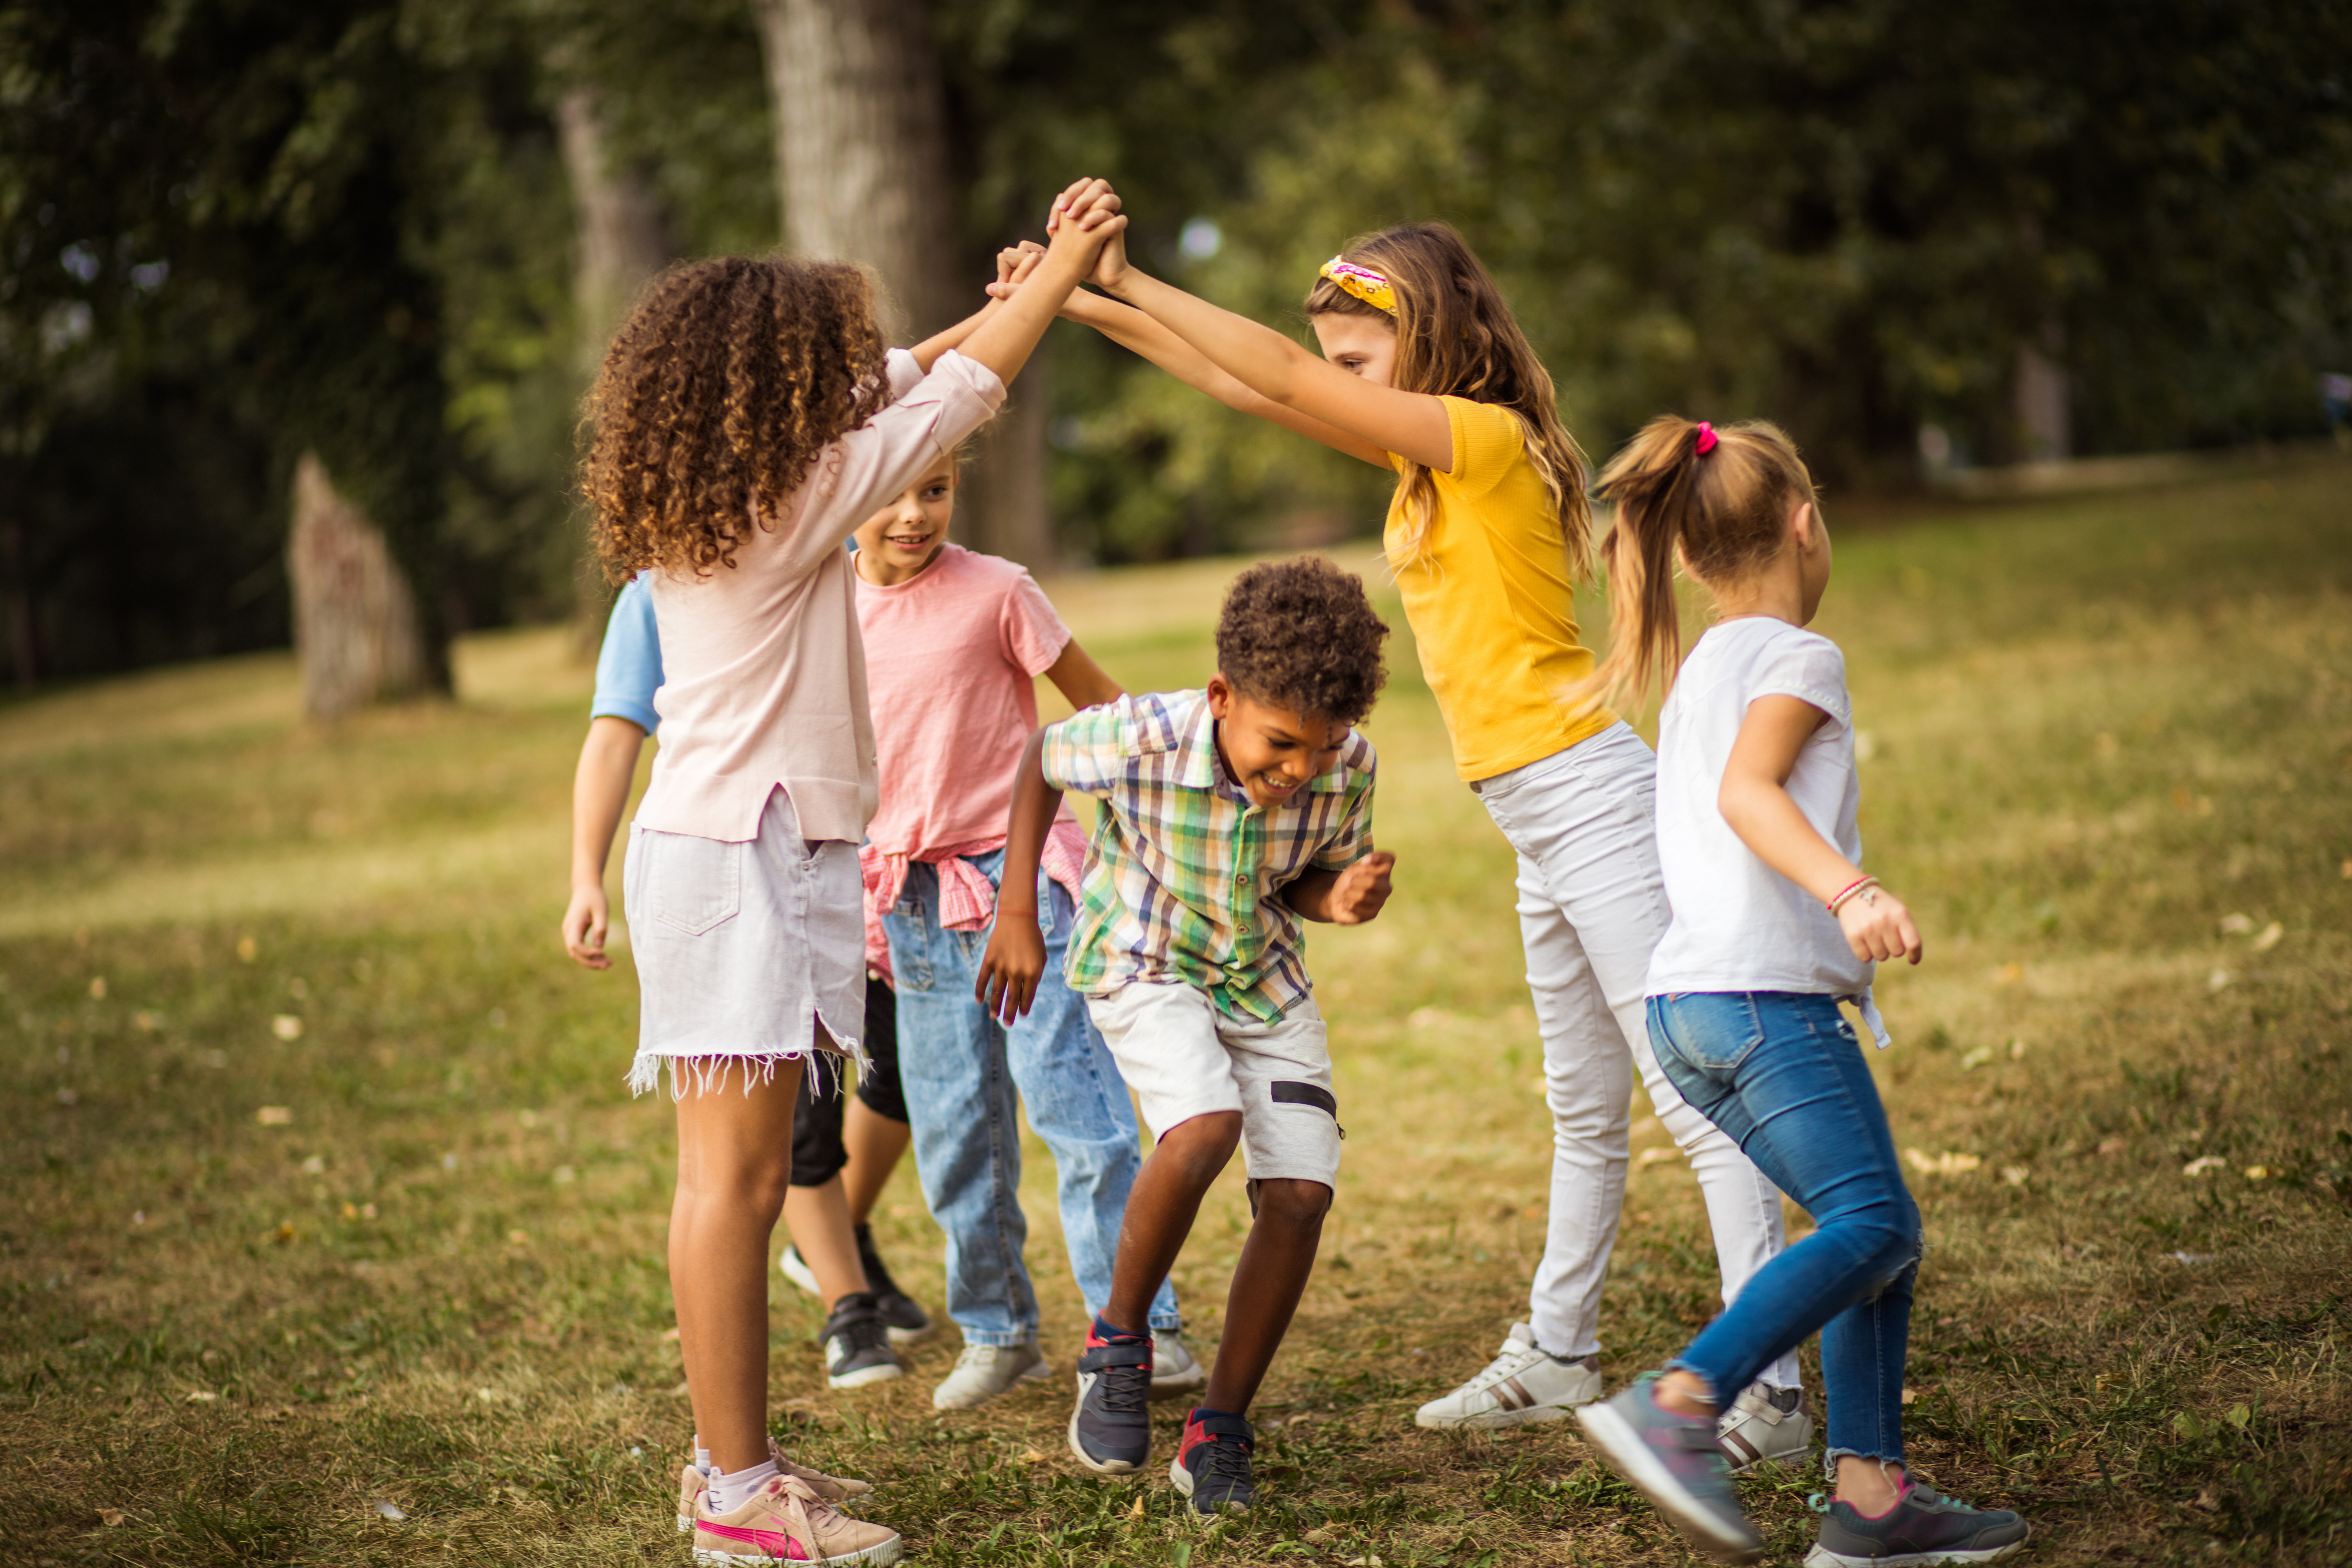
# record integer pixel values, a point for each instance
(1491, 603)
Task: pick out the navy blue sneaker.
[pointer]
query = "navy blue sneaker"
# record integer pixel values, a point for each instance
(1110, 1428)
(1212, 1464)
(1924, 1527)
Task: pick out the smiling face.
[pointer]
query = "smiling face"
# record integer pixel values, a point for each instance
(906, 536)
(1361, 345)
(1269, 751)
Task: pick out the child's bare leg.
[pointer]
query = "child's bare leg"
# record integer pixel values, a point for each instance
(1272, 1275)
(734, 1165)
(818, 1218)
(875, 1145)
(1161, 1209)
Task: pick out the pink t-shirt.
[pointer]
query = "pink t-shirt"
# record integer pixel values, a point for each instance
(952, 656)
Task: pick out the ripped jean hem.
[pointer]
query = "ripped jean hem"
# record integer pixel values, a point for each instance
(1830, 1458)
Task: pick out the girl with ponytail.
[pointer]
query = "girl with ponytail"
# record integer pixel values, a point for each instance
(1772, 924)
(1425, 371)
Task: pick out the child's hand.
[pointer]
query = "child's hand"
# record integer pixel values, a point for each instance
(1360, 889)
(1015, 263)
(585, 924)
(1110, 265)
(1877, 926)
(1087, 219)
(1011, 968)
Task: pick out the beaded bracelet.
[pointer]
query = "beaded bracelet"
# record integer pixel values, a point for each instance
(1833, 904)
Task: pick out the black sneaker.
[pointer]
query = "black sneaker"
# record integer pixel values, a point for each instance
(1110, 1429)
(857, 1343)
(1924, 1527)
(1213, 1465)
(905, 1315)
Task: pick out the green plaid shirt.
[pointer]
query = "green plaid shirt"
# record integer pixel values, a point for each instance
(1183, 871)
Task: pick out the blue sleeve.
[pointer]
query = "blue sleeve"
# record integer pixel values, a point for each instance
(629, 670)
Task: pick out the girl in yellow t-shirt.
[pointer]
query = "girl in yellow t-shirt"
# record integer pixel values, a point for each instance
(1425, 371)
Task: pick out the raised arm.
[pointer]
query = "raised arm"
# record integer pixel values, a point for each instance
(1089, 214)
(1412, 424)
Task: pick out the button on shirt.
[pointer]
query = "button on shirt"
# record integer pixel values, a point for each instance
(1184, 871)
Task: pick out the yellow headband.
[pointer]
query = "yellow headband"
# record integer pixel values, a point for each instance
(1362, 282)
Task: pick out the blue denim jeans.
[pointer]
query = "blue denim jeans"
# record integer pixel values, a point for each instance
(1782, 1073)
(966, 1077)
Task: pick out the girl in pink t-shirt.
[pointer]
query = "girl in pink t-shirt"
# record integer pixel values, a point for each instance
(954, 641)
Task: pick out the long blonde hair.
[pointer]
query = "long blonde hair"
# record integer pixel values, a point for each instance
(1722, 512)
(1457, 338)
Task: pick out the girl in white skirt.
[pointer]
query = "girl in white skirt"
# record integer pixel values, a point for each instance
(747, 418)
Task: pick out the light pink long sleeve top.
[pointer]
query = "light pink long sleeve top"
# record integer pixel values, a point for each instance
(764, 676)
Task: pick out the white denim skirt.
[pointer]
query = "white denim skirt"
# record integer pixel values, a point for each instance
(746, 953)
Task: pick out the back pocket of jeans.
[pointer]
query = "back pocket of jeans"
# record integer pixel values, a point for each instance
(693, 884)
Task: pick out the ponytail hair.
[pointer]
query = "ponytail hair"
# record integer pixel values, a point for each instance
(1717, 501)
(1457, 338)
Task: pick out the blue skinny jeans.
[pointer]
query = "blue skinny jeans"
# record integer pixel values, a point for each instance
(967, 1077)
(1783, 1075)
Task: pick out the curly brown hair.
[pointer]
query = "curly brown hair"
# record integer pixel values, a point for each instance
(1300, 634)
(727, 380)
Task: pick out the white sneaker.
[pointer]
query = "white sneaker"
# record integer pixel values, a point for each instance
(1766, 1426)
(1174, 1373)
(983, 1371)
(1524, 1383)
(796, 1269)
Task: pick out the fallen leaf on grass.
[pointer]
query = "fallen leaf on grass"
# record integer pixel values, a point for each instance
(1978, 1058)
(390, 1511)
(2219, 980)
(286, 1026)
(1136, 1511)
(111, 1516)
(1945, 1164)
(275, 1116)
(2236, 925)
(1910, 1396)
(2015, 1176)
(2203, 1164)
(1032, 1456)
(200, 1396)
(2271, 933)
(2258, 1172)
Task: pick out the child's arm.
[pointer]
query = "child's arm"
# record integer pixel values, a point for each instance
(1411, 424)
(1348, 896)
(1012, 268)
(1087, 216)
(1015, 959)
(1754, 799)
(1080, 678)
(600, 788)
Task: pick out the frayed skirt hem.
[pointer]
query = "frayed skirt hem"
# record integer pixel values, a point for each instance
(709, 1070)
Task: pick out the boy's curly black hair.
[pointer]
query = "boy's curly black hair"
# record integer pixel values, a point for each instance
(1301, 633)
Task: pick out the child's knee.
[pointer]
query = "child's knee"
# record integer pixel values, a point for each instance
(1292, 1202)
(1203, 1143)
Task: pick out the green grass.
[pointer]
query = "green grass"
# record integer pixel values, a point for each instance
(2111, 765)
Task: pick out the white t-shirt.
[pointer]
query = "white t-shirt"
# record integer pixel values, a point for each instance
(1735, 924)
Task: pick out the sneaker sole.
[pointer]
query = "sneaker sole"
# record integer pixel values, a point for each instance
(886, 1552)
(1182, 1479)
(1822, 1557)
(796, 1269)
(1622, 1449)
(1494, 1420)
(1038, 1372)
(866, 1375)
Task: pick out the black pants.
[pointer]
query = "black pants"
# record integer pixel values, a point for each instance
(818, 1154)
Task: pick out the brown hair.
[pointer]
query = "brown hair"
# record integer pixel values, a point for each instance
(1301, 633)
(727, 380)
(1724, 512)
(1457, 338)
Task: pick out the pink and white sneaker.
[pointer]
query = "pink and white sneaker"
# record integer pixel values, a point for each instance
(786, 1521)
(692, 1482)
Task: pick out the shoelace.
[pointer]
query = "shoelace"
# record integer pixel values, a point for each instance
(1124, 1390)
(1226, 1461)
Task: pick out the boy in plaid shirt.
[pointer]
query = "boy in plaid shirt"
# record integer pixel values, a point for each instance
(1228, 814)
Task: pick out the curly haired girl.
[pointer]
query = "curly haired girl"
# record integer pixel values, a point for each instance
(747, 417)
(1425, 371)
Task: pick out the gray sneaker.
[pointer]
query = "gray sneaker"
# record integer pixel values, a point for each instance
(1674, 1460)
(1924, 1527)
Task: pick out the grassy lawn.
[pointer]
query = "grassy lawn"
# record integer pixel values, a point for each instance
(328, 1234)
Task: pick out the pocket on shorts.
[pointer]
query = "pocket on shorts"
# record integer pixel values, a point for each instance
(1313, 1096)
(691, 884)
(911, 948)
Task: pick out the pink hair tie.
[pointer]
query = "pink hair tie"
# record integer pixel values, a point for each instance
(1706, 439)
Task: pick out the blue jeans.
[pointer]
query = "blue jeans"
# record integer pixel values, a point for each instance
(961, 1071)
(1783, 1075)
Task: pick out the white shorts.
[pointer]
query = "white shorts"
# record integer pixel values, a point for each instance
(743, 949)
(1184, 1058)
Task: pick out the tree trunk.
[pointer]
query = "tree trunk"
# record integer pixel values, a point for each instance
(21, 643)
(355, 625)
(862, 164)
(624, 240)
(861, 149)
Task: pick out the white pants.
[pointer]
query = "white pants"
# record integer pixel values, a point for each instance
(1592, 908)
